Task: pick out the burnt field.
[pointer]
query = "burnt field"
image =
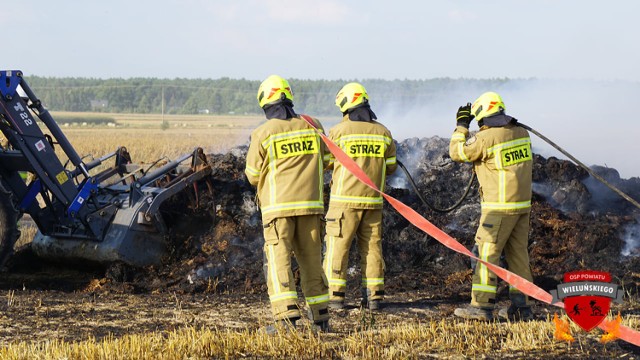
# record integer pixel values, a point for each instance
(214, 278)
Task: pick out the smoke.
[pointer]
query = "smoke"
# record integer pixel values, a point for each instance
(398, 180)
(631, 239)
(595, 121)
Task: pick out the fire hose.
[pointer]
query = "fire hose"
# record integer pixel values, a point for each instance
(589, 170)
(470, 184)
(548, 141)
(518, 282)
(430, 205)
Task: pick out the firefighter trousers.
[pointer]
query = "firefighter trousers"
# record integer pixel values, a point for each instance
(300, 235)
(497, 233)
(366, 225)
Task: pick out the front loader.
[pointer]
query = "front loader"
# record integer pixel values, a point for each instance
(83, 211)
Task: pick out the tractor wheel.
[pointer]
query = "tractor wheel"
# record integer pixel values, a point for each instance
(8, 225)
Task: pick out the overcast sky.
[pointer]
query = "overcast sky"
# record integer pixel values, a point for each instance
(326, 39)
(306, 39)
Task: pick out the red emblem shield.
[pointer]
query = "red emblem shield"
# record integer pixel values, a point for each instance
(588, 311)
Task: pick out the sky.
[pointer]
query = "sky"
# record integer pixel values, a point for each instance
(578, 47)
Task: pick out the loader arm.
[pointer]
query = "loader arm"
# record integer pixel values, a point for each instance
(82, 216)
(32, 151)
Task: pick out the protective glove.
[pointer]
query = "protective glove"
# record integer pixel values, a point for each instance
(464, 117)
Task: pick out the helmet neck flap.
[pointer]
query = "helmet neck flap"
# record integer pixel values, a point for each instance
(361, 113)
(280, 110)
(498, 120)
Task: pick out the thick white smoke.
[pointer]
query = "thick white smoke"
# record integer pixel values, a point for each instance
(595, 121)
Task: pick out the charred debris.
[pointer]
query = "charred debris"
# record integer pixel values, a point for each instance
(576, 223)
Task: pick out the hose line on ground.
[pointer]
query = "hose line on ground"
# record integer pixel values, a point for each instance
(598, 177)
(428, 204)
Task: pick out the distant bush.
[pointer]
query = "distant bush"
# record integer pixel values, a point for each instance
(238, 96)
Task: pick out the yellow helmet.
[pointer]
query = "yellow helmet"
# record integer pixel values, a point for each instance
(272, 89)
(350, 96)
(486, 105)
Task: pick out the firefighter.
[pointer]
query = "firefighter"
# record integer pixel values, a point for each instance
(502, 159)
(354, 208)
(285, 160)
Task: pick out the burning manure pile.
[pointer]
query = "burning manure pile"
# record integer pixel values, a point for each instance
(576, 223)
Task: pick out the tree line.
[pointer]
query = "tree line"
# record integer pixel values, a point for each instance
(225, 95)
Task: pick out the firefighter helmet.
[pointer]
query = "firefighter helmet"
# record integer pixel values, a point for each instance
(351, 96)
(274, 89)
(486, 105)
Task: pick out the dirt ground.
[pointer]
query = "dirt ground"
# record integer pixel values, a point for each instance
(95, 311)
(214, 278)
(78, 305)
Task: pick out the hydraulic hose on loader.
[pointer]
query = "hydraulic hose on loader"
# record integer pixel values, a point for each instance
(591, 172)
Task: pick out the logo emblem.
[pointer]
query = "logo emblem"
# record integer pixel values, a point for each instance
(39, 145)
(587, 297)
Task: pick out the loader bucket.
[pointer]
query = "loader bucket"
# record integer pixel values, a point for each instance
(127, 240)
(135, 229)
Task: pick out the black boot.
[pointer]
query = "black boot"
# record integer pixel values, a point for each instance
(336, 304)
(513, 313)
(519, 309)
(474, 313)
(321, 326)
(281, 325)
(370, 304)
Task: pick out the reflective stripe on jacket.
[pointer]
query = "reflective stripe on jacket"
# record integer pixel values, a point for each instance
(285, 160)
(371, 146)
(502, 159)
